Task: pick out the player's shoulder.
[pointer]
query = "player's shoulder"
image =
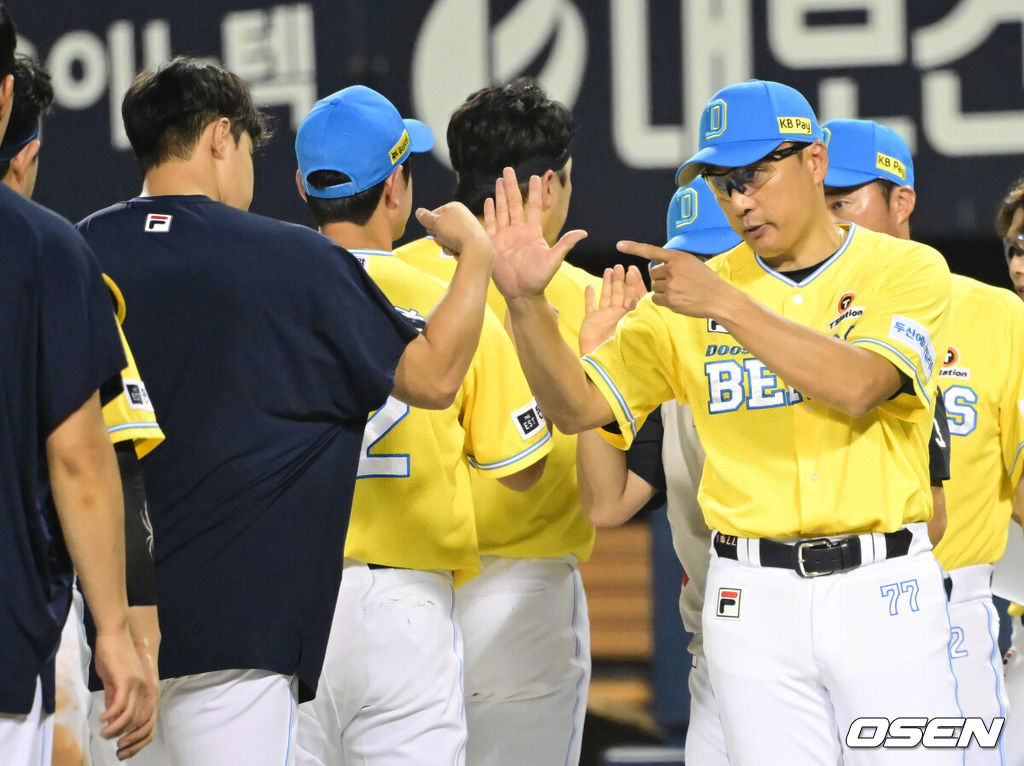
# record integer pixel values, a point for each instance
(969, 291)
(396, 277)
(424, 247)
(28, 224)
(888, 252)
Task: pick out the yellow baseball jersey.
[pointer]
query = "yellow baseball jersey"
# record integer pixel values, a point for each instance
(130, 415)
(546, 520)
(413, 506)
(982, 380)
(778, 463)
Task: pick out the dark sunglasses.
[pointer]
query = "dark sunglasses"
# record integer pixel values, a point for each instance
(748, 178)
(1013, 247)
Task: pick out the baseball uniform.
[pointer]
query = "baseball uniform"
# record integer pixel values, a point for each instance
(391, 686)
(61, 348)
(788, 666)
(983, 381)
(265, 346)
(524, 618)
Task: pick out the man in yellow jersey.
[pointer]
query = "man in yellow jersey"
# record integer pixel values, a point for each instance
(525, 623)
(824, 605)
(133, 429)
(870, 182)
(1010, 226)
(391, 686)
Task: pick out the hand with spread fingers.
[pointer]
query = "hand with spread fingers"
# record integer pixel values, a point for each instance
(621, 290)
(454, 228)
(525, 261)
(680, 281)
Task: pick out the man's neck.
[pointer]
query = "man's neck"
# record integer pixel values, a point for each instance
(179, 179)
(358, 237)
(821, 241)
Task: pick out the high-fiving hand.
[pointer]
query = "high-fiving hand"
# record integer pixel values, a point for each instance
(621, 290)
(525, 261)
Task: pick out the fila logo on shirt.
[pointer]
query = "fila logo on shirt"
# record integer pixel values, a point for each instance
(158, 223)
(951, 365)
(728, 603)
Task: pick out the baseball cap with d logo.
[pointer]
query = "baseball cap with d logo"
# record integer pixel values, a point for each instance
(860, 151)
(696, 223)
(358, 132)
(747, 121)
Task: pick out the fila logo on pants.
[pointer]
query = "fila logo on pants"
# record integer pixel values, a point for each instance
(728, 602)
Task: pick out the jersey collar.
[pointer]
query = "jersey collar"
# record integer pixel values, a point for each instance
(781, 276)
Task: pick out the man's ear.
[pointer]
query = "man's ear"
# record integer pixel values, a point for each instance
(219, 138)
(546, 191)
(901, 202)
(298, 184)
(21, 161)
(6, 101)
(394, 187)
(817, 156)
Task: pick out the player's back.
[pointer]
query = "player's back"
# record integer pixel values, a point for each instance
(412, 506)
(545, 520)
(263, 346)
(982, 379)
(60, 345)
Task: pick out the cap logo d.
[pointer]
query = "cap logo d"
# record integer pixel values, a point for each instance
(399, 149)
(890, 165)
(687, 208)
(716, 118)
(795, 125)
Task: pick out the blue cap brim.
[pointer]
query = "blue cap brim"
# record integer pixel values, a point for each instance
(735, 154)
(706, 241)
(421, 139)
(842, 178)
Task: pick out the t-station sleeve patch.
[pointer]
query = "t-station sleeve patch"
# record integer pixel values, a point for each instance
(136, 394)
(529, 420)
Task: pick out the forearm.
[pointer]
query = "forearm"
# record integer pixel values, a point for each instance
(937, 523)
(609, 493)
(87, 493)
(839, 374)
(553, 370)
(145, 630)
(435, 364)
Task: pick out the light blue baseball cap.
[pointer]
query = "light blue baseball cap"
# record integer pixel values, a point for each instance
(860, 151)
(696, 222)
(746, 121)
(358, 132)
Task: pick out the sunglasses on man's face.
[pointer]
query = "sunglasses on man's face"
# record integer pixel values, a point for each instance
(1013, 246)
(748, 178)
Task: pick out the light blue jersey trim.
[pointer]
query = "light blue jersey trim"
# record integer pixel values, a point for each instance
(510, 460)
(618, 395)
(1016, 457)
(127, 426)
(781, 276)
(901, 355)
(360, 251)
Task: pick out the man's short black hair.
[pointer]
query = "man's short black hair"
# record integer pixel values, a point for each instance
(506, 125)
(356, 208)
(1012, 202)
(165, 112)
(33, 95)
(8, 42)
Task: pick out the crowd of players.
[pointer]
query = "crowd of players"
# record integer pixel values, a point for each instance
(782, 396)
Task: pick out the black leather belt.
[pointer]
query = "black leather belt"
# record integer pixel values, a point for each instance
(816, 557)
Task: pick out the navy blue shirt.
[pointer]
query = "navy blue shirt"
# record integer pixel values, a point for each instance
(60, 344)
(263, 346)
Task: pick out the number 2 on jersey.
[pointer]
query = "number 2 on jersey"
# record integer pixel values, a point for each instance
(377, 427)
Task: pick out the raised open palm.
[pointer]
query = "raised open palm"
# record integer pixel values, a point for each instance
(525, 262)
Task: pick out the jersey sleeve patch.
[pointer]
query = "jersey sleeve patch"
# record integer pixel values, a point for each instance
(136, 395)
(528, 420)
(915, 336)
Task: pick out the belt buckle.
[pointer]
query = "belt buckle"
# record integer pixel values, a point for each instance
(815, 544)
